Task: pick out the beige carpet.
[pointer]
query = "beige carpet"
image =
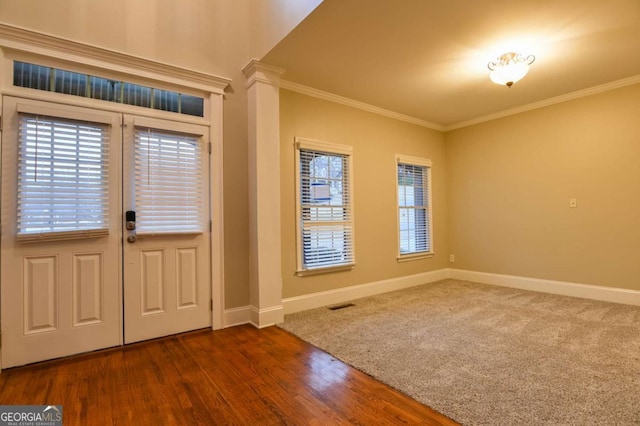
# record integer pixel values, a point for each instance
(490, 355)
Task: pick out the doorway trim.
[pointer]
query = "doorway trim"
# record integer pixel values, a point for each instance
(21, 44)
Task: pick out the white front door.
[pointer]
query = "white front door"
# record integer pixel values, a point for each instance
(61, 240)
(67, 268)
(167, 256)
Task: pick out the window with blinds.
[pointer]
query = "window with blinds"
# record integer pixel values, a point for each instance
(325, 211)
(63, 169)
(168, 183)
(414, 209)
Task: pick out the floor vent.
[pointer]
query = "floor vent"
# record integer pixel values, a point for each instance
(346, 305)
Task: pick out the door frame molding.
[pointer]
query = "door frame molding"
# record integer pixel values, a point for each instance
(17, 43)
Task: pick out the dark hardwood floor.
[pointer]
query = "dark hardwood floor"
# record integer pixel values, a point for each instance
(239, 375)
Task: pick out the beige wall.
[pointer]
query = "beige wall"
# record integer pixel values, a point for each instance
(166, 31)
(509, 183)
(375, 141)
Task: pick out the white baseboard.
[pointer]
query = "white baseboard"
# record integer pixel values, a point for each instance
(330, 297)
(262, 318)
(237, 316)
(585, 291)
(267, 317)
(254, 316)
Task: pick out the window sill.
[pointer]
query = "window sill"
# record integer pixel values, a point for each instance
(414, 256)
(328, 270)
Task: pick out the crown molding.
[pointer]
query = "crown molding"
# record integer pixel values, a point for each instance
(547, 102)
(310, 91)
(42, 44)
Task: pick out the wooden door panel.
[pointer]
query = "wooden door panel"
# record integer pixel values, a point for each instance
(167, 280)
(60, 294)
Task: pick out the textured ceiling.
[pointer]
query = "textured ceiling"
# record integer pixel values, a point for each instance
(427, 59)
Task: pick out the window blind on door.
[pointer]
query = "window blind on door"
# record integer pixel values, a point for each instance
(63, 176)
(168, 183)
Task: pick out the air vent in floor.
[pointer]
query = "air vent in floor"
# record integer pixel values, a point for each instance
(346, 305)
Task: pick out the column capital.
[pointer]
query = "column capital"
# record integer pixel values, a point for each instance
(264, 73)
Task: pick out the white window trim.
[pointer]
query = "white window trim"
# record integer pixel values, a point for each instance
(415, 161)
(330, 148)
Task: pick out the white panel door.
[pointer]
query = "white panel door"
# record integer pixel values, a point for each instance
(61, 239)
(167, 256)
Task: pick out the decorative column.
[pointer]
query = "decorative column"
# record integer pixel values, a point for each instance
(265, 269)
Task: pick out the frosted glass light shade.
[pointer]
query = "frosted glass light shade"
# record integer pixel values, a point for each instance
(511, 73)
(510, 68)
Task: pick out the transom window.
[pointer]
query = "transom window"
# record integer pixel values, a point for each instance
(414, 206)
(33, 76)
(325, 233)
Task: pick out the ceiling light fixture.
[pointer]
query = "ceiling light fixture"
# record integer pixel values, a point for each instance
(510, 68)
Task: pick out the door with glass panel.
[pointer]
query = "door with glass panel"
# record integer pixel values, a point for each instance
(61, 239)
(166, 248)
